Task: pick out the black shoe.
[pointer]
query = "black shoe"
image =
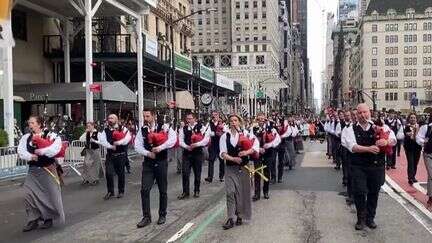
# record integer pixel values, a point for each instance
(290, 167)
(221, 180)
(32, 225)
(161, 220)
(209, 180)
(415, 180)
(48, 223)
(393, 167)
(410, 182)
(371, 224)
(144, 222)
(128, 171)
(85, 183)
(266, 195)
(228, 225)
(255, 198)
(349, 201)
(360, 225)
(183, 196)
(120, 195)
(108, 196)
(337, 167)
(280, 181)
(196, 195)
(94, 183)
(387, 167)
(345, 194)
(239, 221)
(178, 172)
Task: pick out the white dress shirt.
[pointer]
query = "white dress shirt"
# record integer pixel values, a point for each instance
(234, 140)
(204, 131)
(421, 135)
(49, 151)
(102, 139)
(171, 141)
(350, 139)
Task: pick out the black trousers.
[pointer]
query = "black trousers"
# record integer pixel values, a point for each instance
(127, 162)
(282, 161)
(413, 157)
(213, 156)
(192, 160)
(154, 170)
(346, 169)
(257, 178)
(115, 164)
(269, 158)
(391, 160)
(366, 184)
(398, 147)
(336, 146)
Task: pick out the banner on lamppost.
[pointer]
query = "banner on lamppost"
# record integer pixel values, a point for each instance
(6, 36)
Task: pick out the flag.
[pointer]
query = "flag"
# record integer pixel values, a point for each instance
(96, 88)
(244, 111)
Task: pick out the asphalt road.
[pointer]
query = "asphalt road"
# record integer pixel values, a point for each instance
(306, 207)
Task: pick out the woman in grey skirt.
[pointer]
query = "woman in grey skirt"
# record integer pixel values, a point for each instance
(237, 179)
(42, 194)
(92, 157)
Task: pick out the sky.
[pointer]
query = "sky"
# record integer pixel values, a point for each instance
(316, 39)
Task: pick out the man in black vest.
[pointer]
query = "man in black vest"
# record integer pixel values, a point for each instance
(395, 125)
(346, 157)
(116, 155)
(193, 154)
(155, 165)
(367, 165)
(424, 138)
(336, 126)
(216, 130)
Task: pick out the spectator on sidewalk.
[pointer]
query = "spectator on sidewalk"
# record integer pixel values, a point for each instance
(92, 155)
(424, 138)
(412, 149)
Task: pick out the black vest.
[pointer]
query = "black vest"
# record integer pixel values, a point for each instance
(259, 132)
(163, 155)
(234, 151)
(393, 125)
(410, 144)
(428, 145)
(188, 138)
(91, 145)
(43, 160)
(366, 138)
(215, 139)
(109, 137)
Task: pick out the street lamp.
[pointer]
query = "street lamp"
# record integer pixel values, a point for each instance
(173, 22)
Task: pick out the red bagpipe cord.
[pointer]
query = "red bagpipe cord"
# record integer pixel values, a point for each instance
(381, 134)
(41, 143)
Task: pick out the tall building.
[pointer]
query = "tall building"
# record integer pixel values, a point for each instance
(243, 41)
(396, 42)
(329, 61)
(362, 7)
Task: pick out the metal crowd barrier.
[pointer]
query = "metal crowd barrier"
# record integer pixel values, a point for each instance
(11, 166)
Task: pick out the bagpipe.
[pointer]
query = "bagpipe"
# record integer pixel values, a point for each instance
(268, 135)
(197, 134)
(380, 133)
(45, 141)
(159, 136)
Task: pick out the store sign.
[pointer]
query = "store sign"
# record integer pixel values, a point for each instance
(151, 46)
(206, 73)
(182, 63)
(224, 82)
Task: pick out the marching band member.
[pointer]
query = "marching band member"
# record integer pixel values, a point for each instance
(216, 127)
(424, 139)
(336, 133)
(346, 157)
(115, 138)
(396, 126)
(92, 155)
(289, 136)
(282, 151)
(193, 137)
(153, 141)
(367, 165)
(327, 130)
(412, 149)
(237, 181)
(268, 139)
(42, 192)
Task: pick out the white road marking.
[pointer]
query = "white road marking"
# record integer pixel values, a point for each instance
(402, 202)
(180, 233)
(420, 188)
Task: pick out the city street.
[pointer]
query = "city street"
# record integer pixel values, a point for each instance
(306, 207)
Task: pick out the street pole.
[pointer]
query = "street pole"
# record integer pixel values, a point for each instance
(173, 76)
(140, 72)
(88, 59)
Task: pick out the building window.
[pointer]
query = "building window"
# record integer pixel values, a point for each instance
(410, 72)
(374, 73)
(237, 16)
(238, 48)
(391, 84)
(391, 50)
(410, 84)
(374, 39)
(246, 16)
(260, 59)
(264, 37)
(263, 4)
(255, 47)
(427, 60)
(410, 38)
(427, 49)
(374, 62)
(246, 4)
(264, 47)
(391, 39)
(237, 4)
(255, 15)
(255, 4)
(391, 73)
(410, 49)
(264, 15)
(410, 61)
(19, 25)
(199, 21)
(374, 51)
(391, 96)
(427, 72)
(391, 27)
(243, 60)
(225, 61)
(409, 95)
(246, 48)
(391, 62)
(209, 61)
(427, 37)
(374, 85)
(374, 28)
(410, 26)
(427, 26)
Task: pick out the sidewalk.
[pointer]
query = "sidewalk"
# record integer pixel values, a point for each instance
(399, 176)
